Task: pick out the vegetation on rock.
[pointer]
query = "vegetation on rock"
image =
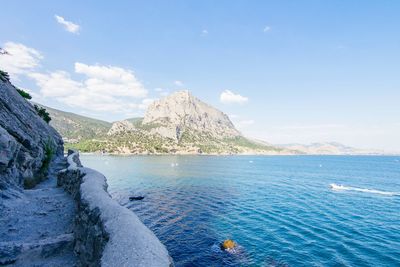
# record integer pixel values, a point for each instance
(24, 94)
(42, 113)
(4, 76)
(49, 152)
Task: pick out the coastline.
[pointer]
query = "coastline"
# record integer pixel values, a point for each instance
(230, 154)
(107, 233)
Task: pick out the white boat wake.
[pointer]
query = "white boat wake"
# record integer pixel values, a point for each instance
(338, 187)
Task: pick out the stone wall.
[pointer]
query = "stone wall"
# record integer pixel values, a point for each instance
(106, 233)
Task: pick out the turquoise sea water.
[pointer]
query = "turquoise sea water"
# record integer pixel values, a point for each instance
(281, 210)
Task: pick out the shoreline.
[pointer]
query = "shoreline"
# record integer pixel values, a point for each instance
(228, 154)
(105, 232)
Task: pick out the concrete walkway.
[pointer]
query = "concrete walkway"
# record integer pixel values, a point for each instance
(36, 229)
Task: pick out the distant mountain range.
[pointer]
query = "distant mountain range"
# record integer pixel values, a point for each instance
(329, 148)
(179, 123)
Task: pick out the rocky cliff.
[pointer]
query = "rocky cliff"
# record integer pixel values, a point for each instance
(26, 141)
(182, 112)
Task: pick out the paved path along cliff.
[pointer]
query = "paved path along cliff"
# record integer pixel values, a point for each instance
(36, 229)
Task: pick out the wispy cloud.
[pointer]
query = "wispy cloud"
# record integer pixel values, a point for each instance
(246, 122)
(19, 59)
(161, 91)
(267, 28)
(204, 32)
(179, 83)
(229, 97)
(68, 25)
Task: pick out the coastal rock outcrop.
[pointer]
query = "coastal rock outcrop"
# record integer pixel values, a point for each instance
(23, 140)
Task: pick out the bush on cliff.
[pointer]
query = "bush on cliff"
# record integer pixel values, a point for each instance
(24, 94)
(42, 112)
(4, 76)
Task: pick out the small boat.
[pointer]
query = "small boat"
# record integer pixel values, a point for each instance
(136, 198)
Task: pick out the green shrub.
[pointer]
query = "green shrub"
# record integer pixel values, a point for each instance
(30, 183)
(43, 113)
(49, 151)
(4, 76)
(24, 94)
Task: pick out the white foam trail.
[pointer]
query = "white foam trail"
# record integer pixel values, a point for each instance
(338, 187)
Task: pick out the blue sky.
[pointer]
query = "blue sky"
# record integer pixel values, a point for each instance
(297, 71)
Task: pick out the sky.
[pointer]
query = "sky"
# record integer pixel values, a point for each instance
(284, 71)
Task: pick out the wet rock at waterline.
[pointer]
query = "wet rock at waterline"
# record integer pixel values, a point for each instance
(228, 244)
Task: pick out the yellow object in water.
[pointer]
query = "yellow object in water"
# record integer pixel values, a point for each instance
(228, 244)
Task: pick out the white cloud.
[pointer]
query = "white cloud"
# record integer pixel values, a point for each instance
(146, 102)
(105, 89)
(56, 84)
(228, 97)
(204, 32)
(178, 83)
(240, 123)
(164, 93)
(19, 59)
(110, 80)
(233, 116)
(68, 25)
(246, 122)
(267, 28)
(161, 91)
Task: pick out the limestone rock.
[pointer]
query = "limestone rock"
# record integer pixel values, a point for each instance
(121, 127)
(181, 111)
(23, 136)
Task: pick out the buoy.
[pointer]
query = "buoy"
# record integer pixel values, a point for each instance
(228, 244)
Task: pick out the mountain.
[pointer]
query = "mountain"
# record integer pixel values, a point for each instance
(330, 148)
(181, 113)
(75, 128)
(179, 123)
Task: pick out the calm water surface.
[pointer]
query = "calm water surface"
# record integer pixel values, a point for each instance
(279, 209)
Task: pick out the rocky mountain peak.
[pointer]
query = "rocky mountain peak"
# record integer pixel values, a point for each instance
(181, 112)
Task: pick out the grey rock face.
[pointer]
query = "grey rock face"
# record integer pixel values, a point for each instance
(23, 136)
(121, 126)
(181, 111)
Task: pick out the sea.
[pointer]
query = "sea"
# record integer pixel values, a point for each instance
(279, 210)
